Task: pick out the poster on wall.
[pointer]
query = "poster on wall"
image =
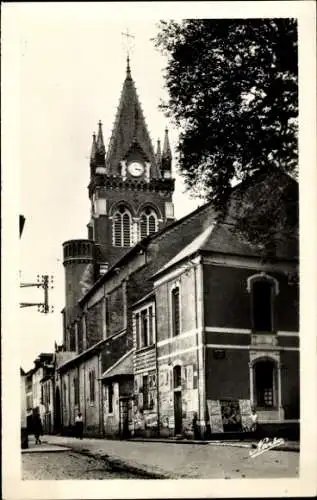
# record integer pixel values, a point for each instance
(245, 411)
(231, 417)
(215, 418)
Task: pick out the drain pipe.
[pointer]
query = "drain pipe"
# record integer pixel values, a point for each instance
(197, 339)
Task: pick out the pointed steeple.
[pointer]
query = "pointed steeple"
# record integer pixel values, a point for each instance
(166, 156)
(129, 130)
(158, 153)
(93, 148)
(166, 147)
(100, 152)
(100, 146)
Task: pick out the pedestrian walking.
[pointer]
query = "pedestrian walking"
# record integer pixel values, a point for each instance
(254, 420)
(37, 427)
(79, 426)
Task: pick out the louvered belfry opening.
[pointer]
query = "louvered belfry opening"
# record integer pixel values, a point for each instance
(148, 222)
(122, 227)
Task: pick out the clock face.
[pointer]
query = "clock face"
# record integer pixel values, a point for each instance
(136, 169)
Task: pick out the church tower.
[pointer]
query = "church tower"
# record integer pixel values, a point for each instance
(130, 192)
(130, 186)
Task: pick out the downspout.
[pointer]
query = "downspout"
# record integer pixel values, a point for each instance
(69, 412)
(85, 405)
(197, 339)
(101, 422)
(157, 373)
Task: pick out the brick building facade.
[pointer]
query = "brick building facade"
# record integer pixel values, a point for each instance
(170, 327)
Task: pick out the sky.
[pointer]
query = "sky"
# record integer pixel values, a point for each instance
(66, 65)
(71, 72)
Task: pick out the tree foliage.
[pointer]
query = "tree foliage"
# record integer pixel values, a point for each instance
(232, 87)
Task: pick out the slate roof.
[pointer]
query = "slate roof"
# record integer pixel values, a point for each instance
(129, 128)
(122, 367)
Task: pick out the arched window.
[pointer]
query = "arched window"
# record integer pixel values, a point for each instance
(148, 222)
(263, 289)
(122, 227)
(175, 311)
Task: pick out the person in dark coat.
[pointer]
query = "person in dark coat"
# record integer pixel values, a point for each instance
(37, 427)
(79, 425)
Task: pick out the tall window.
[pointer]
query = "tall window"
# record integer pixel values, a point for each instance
(76, 391)
(262, 306)
(144, 326)
(175, 311)
(107, 314)
(148, 222)
(122, 227)
(110, 398)
(92, 386)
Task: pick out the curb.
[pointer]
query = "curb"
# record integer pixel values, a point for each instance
(46, 449)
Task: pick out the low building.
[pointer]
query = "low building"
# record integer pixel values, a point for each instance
(24, 434)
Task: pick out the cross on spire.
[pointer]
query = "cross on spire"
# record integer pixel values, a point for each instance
(129, 37)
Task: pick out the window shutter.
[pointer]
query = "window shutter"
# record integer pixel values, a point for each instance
(195, 377)
(143, 226)
(183, 377)
(140, 400)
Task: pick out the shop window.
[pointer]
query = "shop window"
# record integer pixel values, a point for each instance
(149, 387)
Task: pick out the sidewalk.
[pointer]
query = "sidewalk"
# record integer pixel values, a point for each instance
(44, 447)
(166, 460)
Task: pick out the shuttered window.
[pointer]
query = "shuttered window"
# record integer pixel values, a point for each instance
(148, 222)
(122, 228)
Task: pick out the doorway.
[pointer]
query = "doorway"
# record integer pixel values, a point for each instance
(57, 419)
(124, 417)
(177, 399)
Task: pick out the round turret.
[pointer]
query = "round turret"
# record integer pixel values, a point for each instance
(78, 260)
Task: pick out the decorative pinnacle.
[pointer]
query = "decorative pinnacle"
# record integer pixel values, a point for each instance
(158, 151)
(100, 144)
(166, 146)
(93, 147)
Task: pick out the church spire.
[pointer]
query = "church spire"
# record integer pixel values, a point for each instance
(93, 148)
(129, 130)
(158, 153)
(100, 146)
(166, 156)
(166, 147)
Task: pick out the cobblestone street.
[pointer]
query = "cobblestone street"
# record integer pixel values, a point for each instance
(68, 465)
(186, 460)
